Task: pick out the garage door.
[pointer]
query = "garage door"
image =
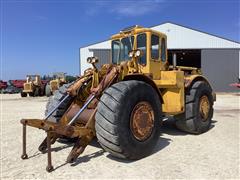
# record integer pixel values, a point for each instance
(189, 57)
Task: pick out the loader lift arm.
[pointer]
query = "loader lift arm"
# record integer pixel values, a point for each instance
(65, 127)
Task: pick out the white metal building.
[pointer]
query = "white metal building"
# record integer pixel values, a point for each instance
(219, 58)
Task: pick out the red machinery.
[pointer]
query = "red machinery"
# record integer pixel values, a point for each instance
(17, 83)
(3, 84)
(237, 84)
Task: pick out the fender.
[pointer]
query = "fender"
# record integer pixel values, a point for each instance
(146, 79)
(191, 79)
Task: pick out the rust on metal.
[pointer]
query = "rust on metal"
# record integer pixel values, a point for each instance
(204, 107)
(73, 89)
(43, 146)
(49, 167)
(106, 81)
(142, 121)
(79, 147)
(24, 153)
(60, 129)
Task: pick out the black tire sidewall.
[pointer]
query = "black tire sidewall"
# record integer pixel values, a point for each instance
(202, 126)
(48, 90)
(54, 100)
(131, 147)
(23, 94)
(191, 120)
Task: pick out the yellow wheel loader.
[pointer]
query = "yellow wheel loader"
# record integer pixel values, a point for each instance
(123, 103)
(33, 86)
(58, 80)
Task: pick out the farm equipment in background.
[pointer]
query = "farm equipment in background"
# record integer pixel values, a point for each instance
(11, 87)
(237, 84)
(58, 80)
(33, 86)
(123, 103)
(17, 83)
(71, 79)
(3, 84)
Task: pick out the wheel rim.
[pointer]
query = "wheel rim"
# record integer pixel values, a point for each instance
(204, 107)
(142, 121)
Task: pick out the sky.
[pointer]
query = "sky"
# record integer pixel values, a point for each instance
(44, 36)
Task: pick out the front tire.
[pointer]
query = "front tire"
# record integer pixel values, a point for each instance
(23, 94)
(53, 102)
(128, 119)
(31, 94)
(37, 92)
(198, 109)
(48, 91)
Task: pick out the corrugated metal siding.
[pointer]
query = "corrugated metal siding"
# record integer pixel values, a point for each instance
(84, 54)
(104, 56)
(221, 67)
(184, 38)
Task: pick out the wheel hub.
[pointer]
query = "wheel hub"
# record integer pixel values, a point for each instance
(204, 107)
(142, 121)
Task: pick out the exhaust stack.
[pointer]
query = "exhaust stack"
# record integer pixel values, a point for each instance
(174, 61)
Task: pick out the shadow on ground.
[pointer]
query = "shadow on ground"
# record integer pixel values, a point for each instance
(167, 128)
(162, 143)
(88, 157)
(170, 128)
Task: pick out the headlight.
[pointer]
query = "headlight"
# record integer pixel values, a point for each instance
(92, 60)
(89, 60)
(130, 54)
(138, 53)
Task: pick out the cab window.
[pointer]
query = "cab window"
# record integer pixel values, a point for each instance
(141, 44)
(126, 46)
(155, 47)
(163, 49)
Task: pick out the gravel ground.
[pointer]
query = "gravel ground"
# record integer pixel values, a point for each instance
(214, 154)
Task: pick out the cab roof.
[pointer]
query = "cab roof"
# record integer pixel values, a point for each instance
(136, 29)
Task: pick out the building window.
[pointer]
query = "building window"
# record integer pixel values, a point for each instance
(126, 47)
(155, 47)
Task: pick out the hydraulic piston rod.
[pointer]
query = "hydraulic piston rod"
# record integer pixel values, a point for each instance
(81, 110)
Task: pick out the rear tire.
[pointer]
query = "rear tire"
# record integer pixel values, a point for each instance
(114, 120)
(193, 120)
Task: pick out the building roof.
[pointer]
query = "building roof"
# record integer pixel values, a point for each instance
(181, 37)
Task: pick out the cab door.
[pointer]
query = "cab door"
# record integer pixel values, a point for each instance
(155, 58)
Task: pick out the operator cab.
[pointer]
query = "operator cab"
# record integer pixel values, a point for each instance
(151, 43)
